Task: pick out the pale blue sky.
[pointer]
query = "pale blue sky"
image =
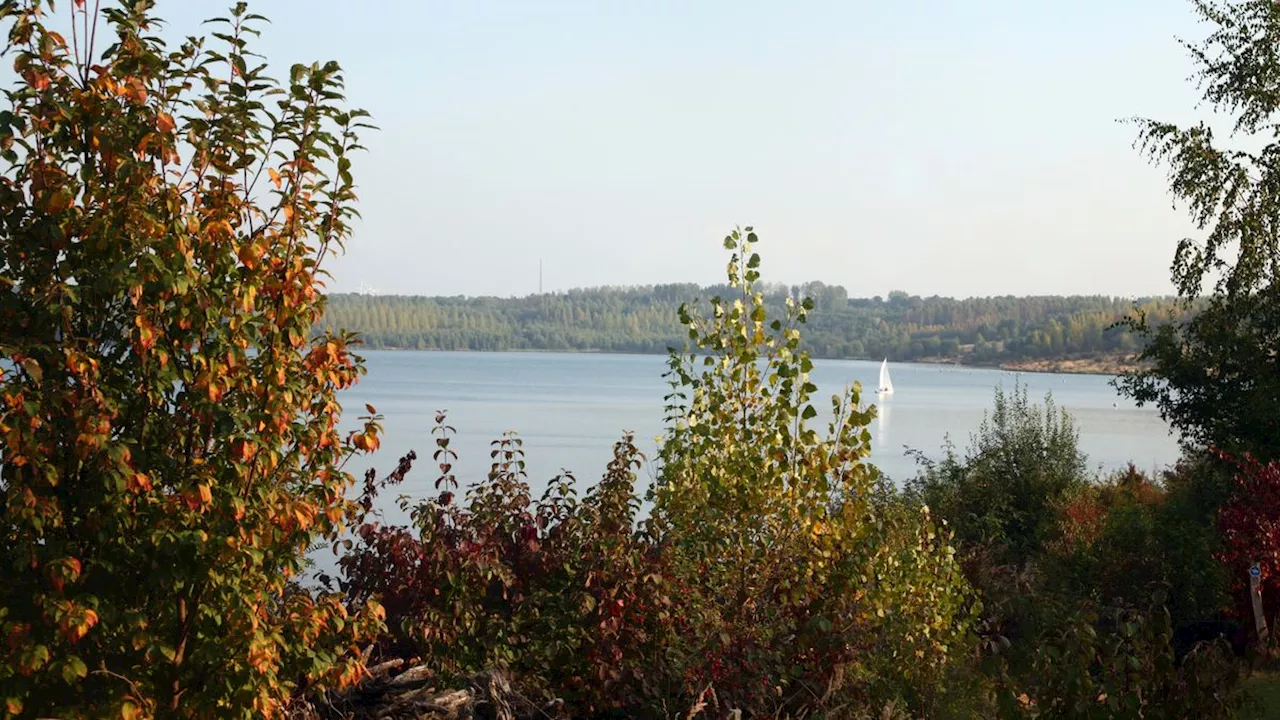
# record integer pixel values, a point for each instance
(939, 147)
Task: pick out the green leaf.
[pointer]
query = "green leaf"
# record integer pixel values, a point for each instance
(74, 669)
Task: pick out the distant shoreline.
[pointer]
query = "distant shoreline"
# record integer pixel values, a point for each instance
(1074, 366)
(1054, 366)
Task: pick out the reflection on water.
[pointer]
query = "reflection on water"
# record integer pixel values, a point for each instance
(883, 408)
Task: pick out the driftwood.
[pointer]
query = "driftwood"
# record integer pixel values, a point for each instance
(390, 694)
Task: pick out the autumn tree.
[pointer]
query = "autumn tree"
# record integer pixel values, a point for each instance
(1216, 376)
(169, 421)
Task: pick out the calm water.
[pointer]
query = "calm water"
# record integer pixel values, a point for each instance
(571, 408)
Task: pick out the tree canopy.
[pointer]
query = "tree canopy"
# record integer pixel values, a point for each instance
(1215, 376)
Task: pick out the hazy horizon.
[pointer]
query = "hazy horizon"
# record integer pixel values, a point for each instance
(852, 296)
(970, 149)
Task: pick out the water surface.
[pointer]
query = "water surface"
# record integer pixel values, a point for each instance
(571, 408)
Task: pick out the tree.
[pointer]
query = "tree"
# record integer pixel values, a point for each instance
(792, 566)
(1216, 376)
(170, 440)
(1250, 526)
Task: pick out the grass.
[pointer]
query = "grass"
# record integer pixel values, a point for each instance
(1264, 687)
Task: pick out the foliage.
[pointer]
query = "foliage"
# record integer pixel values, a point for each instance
(791, 574)
(1120, 540)
(1250, 525)
(1215, 376)
(1066, 569)
(170, 448)
(1002, 497)
(644, 320)
(1119, 663)
(564, 594)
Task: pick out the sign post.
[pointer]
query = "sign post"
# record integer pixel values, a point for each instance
(1255, 594)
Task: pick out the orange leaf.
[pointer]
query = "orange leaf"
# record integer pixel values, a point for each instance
(165, 123)
(206, 495)
(241, 449)
(141, 482)
(275, 177)
(37, 80)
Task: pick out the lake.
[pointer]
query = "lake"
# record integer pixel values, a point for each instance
(571, 408)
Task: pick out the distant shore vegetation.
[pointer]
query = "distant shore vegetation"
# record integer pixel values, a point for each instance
(1043, 333)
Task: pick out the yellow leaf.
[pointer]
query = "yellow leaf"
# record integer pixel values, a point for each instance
(206, 495)
(275, 176)
(249, 254)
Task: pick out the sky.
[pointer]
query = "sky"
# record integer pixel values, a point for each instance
(941, 147)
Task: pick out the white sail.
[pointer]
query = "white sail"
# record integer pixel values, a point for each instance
(886, 384)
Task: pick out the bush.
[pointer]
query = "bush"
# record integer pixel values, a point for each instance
(1250, 525)
(1002, 500)
(170, 443)
(566, 596)
(1066, 570)
(1118, 662)
(1002, 497)
(1127, 537)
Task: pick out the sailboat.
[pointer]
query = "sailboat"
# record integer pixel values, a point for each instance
(886, 385)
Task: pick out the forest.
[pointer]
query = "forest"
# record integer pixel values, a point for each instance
(643, 319)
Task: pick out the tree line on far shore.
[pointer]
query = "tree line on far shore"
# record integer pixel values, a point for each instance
(643, 319)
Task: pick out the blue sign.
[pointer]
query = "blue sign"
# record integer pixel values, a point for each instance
(1255, 571)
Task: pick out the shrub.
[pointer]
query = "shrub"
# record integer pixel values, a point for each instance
(1002, 497)
(565, 595)
(1125, 538)
(1118, 662)
(1066, 570)
(797, 588)
(1250, 525)
(170, 442)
